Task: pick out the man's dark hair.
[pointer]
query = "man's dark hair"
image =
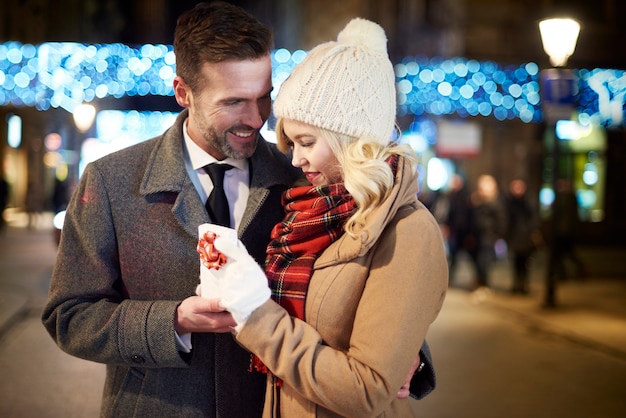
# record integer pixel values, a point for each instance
(216, 32)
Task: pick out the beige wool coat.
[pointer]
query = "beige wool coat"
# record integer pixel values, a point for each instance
(369, 305)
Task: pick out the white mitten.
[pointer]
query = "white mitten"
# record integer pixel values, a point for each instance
(244, 285)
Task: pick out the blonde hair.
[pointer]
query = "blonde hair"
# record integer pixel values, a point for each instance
(363, 165)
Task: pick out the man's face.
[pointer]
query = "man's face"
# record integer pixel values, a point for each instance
(229, 107)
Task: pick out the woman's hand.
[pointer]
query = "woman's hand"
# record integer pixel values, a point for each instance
(244, 286)
(404, 391)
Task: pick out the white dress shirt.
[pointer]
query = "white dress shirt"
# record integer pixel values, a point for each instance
(236, 180)
(236, 188)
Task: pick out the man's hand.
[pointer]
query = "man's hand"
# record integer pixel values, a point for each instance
(196, 314)
(404, 391)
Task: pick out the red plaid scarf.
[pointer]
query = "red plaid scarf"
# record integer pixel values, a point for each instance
(315, 218)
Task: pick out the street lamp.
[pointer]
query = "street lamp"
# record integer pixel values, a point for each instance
(558, 95)
(84, 115)
(559, 37)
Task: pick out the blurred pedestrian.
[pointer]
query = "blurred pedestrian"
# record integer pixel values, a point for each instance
(60, 196)
(522, 233)
(566, 222)
(35, 202)
(458, 223)
(489, 225)
(4, 200)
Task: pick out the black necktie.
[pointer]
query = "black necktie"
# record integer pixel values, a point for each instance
(216, 204)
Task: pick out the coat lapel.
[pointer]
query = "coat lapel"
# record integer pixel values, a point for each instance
(166, 172)
(346, 248)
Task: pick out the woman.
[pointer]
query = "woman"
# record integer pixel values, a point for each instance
(357, 268)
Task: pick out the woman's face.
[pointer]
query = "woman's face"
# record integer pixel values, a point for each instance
(311, 153)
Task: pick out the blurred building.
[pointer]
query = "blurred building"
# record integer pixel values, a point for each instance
(500, 32)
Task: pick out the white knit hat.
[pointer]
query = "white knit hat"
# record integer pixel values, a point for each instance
(347, 86)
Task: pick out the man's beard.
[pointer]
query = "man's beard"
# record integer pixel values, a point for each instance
(220, 142)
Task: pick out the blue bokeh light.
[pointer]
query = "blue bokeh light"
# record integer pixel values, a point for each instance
(470, 88)
(65, 74)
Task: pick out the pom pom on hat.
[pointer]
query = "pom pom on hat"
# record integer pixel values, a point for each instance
(365, 34)
(347, 86)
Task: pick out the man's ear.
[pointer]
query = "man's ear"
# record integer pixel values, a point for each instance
(181, 92)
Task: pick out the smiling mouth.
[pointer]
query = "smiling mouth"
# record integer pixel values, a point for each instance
(244, 134)
(311, 175)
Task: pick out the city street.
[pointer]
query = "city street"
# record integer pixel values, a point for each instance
(39, 380)
(496, 355)
(492, 363)
(515, 112)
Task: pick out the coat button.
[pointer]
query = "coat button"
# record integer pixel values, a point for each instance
(138, 359)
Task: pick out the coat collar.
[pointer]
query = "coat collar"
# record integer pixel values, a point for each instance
(347, 247)
(166, 172)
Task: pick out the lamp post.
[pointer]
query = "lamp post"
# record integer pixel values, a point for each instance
(84, 115)
(558, 94)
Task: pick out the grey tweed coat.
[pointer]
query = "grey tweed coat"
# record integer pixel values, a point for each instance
(127, 258)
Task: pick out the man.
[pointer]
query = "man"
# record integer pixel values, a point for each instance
(128, 256)
(127, 269)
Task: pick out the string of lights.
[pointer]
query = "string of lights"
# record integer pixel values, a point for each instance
(67, 74)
